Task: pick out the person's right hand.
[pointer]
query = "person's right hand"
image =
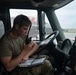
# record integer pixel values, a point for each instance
(28, 47)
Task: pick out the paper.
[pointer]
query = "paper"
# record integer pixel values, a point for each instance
(32, 62)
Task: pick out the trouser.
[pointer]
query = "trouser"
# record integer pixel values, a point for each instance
(42, 69)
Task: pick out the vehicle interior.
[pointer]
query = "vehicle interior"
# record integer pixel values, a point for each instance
(48, 35)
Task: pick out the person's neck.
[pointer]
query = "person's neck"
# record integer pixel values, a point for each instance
(14, 33)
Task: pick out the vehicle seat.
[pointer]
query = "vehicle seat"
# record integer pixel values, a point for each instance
(66, 45)
(2, 69)
(1, 28)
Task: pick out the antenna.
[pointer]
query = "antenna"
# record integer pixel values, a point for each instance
(28, 39)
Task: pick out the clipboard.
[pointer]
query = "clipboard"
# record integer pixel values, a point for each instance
(32, 62)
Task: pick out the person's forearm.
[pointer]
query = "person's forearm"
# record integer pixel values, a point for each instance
(15, 61)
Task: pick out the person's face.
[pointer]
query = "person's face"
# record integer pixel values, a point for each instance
(22, 31)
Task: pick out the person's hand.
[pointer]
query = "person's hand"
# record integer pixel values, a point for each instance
(28, 46)
(25, 59)
(29, 49)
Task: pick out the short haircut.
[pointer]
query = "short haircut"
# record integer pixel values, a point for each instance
(21, 20)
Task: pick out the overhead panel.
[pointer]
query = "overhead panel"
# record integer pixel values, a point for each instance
(50, 3)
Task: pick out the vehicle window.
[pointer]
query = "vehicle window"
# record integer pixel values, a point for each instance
(67, 18)
(34, 32)
(48, 28)
(1, 29)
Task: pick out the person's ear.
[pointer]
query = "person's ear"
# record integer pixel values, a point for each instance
(16, 27)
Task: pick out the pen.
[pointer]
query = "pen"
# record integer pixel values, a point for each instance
(34, 59)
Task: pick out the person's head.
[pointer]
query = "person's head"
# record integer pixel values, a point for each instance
(21, 24)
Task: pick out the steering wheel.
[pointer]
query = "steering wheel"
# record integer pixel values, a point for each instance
(48, 40)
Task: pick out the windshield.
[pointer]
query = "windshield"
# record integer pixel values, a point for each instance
(67, 18)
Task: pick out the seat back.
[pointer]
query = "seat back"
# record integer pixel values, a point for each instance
(2, 69)
(2, 30)
(66, 46)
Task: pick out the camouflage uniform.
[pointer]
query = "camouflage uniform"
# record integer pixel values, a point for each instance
(43, 69)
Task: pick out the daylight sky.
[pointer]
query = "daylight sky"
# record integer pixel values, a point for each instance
(66, 15)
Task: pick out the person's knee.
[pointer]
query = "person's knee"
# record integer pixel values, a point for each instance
(48, 64)
(47, 68)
